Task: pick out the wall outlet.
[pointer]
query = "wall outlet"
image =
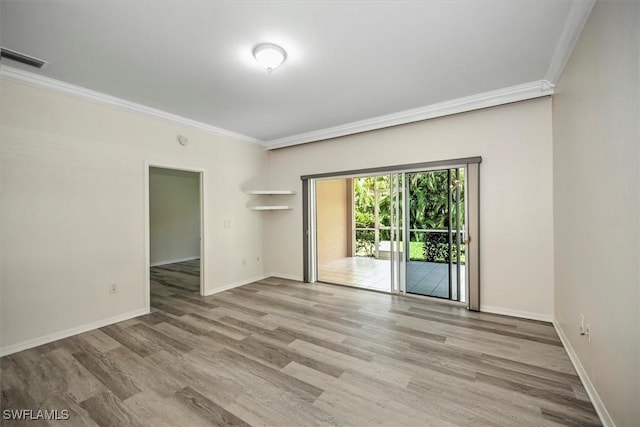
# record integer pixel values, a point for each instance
(244, 261)
(581, 325)
(113, 288)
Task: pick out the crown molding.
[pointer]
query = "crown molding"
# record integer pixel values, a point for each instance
(460, 105)
(35, 80)
(573, 26)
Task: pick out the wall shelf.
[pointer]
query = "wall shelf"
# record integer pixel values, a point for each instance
(271, 192)
(270, 208)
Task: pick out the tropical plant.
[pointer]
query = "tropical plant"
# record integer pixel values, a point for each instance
(364, 207)
(429, 207)
(365, 245)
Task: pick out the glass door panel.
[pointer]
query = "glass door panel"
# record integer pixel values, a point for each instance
(397, 235)
(428, 269)
(436, 239)
(458, 234)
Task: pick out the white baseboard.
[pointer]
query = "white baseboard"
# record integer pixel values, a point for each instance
(287, 276)
(236, 284)
(516, 313)
(253, 279)
(35, 342)
(173, 261)
(586, 381)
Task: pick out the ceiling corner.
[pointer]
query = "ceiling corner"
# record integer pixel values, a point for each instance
(576, 20)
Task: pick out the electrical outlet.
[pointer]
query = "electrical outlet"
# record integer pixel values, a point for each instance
(113, 288)
(587, 332)
(581, 326)
(244, 261)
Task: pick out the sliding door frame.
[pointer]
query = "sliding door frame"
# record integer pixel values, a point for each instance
(472, 224)
(473, 218)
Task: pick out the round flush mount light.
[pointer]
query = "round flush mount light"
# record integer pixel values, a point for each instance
(269, 55)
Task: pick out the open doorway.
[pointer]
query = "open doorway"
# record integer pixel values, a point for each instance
(175, 237)
(353, 232)
(435, 242)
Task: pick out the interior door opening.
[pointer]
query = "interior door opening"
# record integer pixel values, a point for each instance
(175, 249)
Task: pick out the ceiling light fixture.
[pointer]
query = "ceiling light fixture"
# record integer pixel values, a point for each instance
(183, 140)
(269, 55)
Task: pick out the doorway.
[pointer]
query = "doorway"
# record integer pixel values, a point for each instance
(353, 226)
(436, 209)
(432, 256)
(174, 236)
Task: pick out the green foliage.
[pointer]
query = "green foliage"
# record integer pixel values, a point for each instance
(364, 201)
(364, 207)
(365, 243)
(430, 199)
(437, 248)
(416, 251)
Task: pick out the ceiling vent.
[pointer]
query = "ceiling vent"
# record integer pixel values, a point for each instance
(22, 58)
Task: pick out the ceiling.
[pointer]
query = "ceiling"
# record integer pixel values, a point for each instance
(348, 61)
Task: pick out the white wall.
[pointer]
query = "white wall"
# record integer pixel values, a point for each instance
(73, 210)
(515, 185)
(596, 204)
(174, 215)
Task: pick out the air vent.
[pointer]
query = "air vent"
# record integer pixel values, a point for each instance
(22, 58)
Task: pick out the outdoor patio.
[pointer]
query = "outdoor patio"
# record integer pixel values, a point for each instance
(423, 278)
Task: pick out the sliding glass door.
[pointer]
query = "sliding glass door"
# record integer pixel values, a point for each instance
(435, 243)
(410, 228)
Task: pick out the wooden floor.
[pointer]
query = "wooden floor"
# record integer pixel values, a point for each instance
(284, 353)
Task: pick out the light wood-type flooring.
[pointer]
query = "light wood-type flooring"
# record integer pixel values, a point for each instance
(285, 353)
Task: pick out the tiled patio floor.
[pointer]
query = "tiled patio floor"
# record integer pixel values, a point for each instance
(423, 278)
(363, 272)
